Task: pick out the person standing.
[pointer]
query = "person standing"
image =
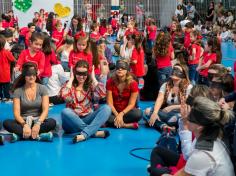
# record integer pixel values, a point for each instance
(139, 14)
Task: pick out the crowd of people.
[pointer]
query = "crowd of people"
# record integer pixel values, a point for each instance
(48, 63)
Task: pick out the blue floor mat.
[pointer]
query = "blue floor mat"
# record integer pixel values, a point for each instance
(94, 157)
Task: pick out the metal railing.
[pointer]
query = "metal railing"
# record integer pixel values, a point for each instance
(5, 6)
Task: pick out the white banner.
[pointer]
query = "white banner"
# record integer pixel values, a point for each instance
(24, 9)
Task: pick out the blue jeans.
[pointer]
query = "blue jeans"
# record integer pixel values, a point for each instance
(65, 66)
(150, 43)
(193, 73)
(171, 119)
(88, 125)
(164, 75)
(45, 81)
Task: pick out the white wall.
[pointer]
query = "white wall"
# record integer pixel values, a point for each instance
(47, 5)
(166, 11)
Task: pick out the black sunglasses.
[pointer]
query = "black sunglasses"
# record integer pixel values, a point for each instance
(78, 73)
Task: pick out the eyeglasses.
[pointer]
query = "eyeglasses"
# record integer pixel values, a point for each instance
(172, 98)
(78, 73)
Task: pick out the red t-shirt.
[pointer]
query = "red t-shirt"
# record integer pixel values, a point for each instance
(165, 61)
(152, 31)
(128, 32)
(113, 22)
(138, 68)
(27, 39)
(197, 55)
(98, 69)
(58, 36)
(5, 24)
(6, 58)
(38, 59)
(206, 57)
(49, 60)
(24, 31)
(102, 30)
(187, 40)
(95, 36)
(74, 57)
(121, 101)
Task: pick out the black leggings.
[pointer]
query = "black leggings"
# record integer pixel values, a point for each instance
(132, 116)
(56, 100)
(14, 127)
(164, 158)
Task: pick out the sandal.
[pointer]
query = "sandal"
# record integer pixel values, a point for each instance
(106, 134)
(78, 138)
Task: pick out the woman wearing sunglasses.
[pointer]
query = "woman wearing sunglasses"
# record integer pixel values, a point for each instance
(122, 93)
(79, 94)
(30, 108)
(171, 95)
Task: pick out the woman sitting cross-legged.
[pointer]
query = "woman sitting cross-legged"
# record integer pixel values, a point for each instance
(122, 93)
(79, 93)
(30, 107)
(171, 94)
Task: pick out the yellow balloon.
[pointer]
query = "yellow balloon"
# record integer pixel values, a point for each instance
(61, 11)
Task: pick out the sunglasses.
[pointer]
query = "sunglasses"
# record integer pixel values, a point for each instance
(78, 73)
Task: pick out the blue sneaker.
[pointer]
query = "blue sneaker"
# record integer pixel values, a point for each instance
(47, 137)
(1, 140)
(14, 138)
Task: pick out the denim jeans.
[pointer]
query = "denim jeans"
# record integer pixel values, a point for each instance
(150, 43)
(170, 119)
(164, 75)
(88, 125)
(65, 66)
(4, 90)
(45, 80)
(193, 73)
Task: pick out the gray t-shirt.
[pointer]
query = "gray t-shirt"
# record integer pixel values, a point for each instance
(27, 107)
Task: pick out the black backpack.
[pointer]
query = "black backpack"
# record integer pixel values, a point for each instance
(168, 140)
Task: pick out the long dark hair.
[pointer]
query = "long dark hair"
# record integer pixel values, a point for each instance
(47, 48)
(88, 81)
(20, 81)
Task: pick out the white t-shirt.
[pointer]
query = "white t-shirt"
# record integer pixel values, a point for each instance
(128, 52)
(56, 81)
(210, 163)
(173, 100)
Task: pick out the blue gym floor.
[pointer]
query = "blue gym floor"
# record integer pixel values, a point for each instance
(94, 157)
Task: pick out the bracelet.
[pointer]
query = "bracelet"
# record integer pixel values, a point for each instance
(39, 122)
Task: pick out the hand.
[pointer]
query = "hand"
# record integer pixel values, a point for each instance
(16, 69)
(153, 119)
(119, 120)
(72, 77)
(26, 131)
(198, 68)
(167, 109)
(104, 67)
(35, 131)
(93, 77)
(221, 102)
(184, 111)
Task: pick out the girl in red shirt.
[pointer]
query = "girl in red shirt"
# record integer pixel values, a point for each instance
(209, 58)
(95, 35)
(195, 52)
(50, 58)
(81, 50)
(33, 53)
(58, 34)
(122, 94)
(6, 58)
(103, 28)
(137, 58)
(164, 53)
(151, 31)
